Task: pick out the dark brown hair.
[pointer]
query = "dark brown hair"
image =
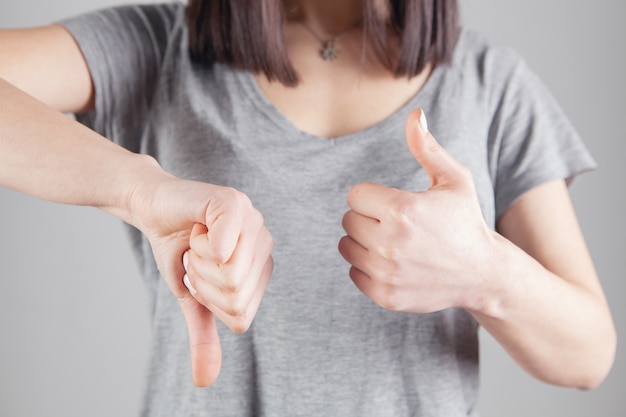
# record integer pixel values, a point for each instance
(248, 34)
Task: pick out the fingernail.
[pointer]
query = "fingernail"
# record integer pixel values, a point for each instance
(186, 260)
(423, 122)
(187, 283)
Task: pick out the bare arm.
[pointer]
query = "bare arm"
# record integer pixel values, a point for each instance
(552, 316)
(533, 286)
(43, 70)
(46, 154)
(46, 63)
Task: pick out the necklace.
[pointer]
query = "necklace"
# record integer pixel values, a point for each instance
(328, 51)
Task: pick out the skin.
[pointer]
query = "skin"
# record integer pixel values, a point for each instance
(215, 253)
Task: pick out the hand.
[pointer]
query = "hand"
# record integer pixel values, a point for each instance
(213, 250)
(419, 252)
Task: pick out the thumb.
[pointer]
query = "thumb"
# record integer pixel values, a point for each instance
(204, 342)
(440, 166)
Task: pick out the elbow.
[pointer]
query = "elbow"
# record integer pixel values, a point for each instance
(591, 382)
(585, 370)
(599, 367)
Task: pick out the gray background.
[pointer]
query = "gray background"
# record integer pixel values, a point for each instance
(73, 315)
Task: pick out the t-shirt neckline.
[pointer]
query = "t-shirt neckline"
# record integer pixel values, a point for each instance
(260, 101)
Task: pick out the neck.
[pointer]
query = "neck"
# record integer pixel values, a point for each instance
(327, 17)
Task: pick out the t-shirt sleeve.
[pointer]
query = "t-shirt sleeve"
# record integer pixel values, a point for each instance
(124, 48)
(532, 141)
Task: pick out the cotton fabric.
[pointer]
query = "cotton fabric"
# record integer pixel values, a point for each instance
(318, 346)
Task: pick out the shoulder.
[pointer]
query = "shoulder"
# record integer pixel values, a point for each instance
(129, 51)
(130, 21)
(128, 38)
(492, 72)
(492, 65)
(164, 13)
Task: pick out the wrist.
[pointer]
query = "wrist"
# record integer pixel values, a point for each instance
(493, 285)
(140, 178)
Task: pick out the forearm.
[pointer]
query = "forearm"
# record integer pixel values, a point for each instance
(46, 154)
(557, 330)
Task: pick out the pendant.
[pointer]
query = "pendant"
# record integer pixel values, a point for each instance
(329, 52)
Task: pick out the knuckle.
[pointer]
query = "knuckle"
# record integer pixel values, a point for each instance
(392, 279)
(185, 298)
(355, 190)
(189, 298)
(232, 288)
(232, 193)
(391, 255)
(256, 218)
(387, 274)
(242, 199)
(387, 252)
(389, 300)
(237, 311)
(240, 324)
(233, 279)
(236, 198)
(237, 306)
(219, 253)
(433, 146)
(403, 207)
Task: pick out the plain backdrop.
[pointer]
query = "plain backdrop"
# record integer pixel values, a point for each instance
(74, 327)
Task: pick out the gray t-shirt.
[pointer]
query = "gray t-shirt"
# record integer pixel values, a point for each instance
(318, 346)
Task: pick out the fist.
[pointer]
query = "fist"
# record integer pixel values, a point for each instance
(214, 252)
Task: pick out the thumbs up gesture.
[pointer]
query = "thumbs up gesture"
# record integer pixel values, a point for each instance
(419, 252)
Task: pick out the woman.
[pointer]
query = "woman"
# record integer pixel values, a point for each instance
(298, 134)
